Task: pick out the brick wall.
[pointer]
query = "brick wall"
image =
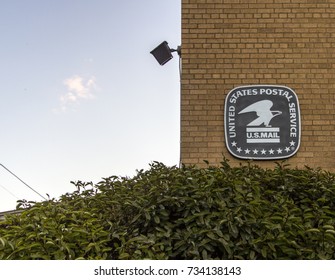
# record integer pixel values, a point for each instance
(231, 43)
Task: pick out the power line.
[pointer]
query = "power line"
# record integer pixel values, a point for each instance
(7, 190)
(22, 181)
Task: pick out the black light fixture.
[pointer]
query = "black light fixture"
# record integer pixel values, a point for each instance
(163, 53)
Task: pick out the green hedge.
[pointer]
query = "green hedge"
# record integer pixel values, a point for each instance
(182, 213)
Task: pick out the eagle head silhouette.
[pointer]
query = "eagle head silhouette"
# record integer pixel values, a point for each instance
(262, 109)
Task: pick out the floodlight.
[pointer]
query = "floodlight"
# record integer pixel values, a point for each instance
(163, 53)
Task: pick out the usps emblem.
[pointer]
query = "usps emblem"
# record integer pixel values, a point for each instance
(262, 122)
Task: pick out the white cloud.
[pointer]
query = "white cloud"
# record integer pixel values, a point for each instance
(77, 89)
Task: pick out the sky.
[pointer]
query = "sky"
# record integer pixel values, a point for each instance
(82, 98)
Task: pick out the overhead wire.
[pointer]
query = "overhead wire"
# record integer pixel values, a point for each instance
(22, 181)
(7, 190)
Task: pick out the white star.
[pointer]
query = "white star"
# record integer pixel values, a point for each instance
(292, 143)
(239, 150)
(247, 151)
(279, 151)
(263, 152)
(287, 149)
(233, 144)
(255, 152)
(271, 152)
